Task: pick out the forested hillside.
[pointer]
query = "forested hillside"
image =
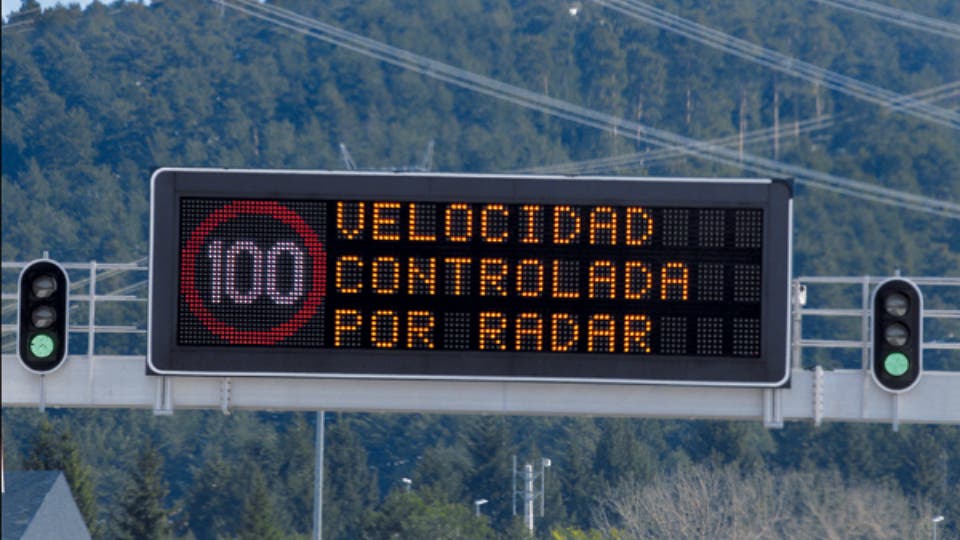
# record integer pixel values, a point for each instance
(94, 100)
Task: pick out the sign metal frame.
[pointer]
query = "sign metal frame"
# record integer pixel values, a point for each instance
(169, 185)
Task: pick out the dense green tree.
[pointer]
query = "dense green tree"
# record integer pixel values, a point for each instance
(258, 518)
(441, 472)
(406, 515)
(212, 500)
(295, 480)
(621, 453)
(575, 468)
(350, 486)
(744, 444)
(491, 450)
(144, 515)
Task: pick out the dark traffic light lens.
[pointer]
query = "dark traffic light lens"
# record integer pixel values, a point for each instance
(896, 304)
(43, 317)
(896, 334)
(44, 286)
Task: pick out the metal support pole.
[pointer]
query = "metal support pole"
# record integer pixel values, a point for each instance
(91, 318)
(865, 321)
(896, 412)
(543, 485)
(43, 393)
(528, 496)
(818, 396)
(225, 389)
(318, 480)
(772, 408)
(796, 332)
(513, 494)
(163, 402)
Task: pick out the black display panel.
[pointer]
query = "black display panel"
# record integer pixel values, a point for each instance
(469, 277)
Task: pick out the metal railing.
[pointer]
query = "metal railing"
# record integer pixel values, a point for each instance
(127, 283)
(859, 291)
(110, 330)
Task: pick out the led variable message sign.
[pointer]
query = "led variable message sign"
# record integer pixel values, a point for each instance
(469, 277)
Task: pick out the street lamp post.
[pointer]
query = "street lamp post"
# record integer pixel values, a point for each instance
(318, 479)
(936, 520)
(407, 484)
(544, 464)
(477, 504)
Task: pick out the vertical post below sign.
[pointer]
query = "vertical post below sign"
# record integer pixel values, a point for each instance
(470, 277)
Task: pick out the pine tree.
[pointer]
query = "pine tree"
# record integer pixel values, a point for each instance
(489, 445)
(259, 515)
(211, 500)
(574, 464)
(296, 473)
(440, 472)
(142, 512)
(620, 454)
(349, 487)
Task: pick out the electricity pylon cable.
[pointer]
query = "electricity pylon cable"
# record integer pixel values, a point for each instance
(582, 115)
(900, 17)
(783, 63)
(758, 136)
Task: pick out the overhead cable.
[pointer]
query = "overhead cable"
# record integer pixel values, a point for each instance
(582, 115)
(752, 138)
(783, 63)
(896, 16)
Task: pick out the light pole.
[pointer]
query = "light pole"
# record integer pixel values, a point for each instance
(318, 479)
(407, 484)
(544, 465)
(936, 520)
(477, 504)
(529, 492)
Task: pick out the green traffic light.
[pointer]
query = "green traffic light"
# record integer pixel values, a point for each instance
(896, 364)
(41, 345)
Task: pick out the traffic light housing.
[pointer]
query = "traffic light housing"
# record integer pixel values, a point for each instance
(42, 316)
(897, 334)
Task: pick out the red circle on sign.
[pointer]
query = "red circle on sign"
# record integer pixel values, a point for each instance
(194, 246)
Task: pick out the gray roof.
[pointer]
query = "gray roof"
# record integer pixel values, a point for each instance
(39, 505)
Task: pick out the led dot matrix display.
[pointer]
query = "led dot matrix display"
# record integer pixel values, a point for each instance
(490, 283)
(399, 267)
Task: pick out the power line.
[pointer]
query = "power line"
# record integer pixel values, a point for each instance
(637, 158)
(783, 63)
(896, 16)
(759, 136)
(585, 116)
